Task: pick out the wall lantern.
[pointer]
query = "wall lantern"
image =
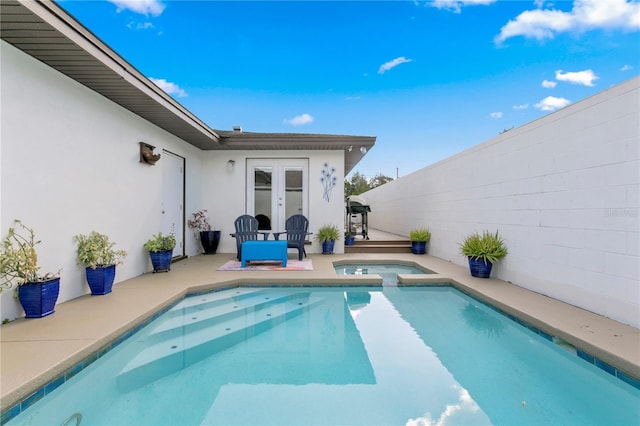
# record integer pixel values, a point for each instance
(146, 154)
(363, 150)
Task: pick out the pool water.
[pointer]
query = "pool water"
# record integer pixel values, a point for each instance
(337, 356)
(387, 271)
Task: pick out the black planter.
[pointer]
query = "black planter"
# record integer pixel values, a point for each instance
(101, 279)
(479, 268)
(161, 260)
(210, 241)
(39, 299)
(418, 247)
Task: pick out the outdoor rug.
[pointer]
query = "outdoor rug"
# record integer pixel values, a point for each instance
(292, 265)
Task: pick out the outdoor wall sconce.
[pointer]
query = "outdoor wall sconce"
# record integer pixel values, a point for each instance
(146, 154)
(231, 163)
(349, 148)
(363, 149)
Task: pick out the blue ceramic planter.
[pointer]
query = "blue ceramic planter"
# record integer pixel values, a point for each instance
(161, 260)
(39, 299)
(479, 268)
(101, 279)
(327, 246)
(418, 247)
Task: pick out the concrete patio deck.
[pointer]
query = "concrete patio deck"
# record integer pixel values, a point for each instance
(35, 351)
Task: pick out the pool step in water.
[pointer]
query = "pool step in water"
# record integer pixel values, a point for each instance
(178, 348)
(209, 313)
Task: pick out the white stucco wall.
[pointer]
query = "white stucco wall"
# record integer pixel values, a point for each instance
(70, 164)
(562, 190)
(224, 191)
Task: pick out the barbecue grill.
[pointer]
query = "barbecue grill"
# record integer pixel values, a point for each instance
(358, 206)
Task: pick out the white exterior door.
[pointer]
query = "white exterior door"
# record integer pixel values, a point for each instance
(173, 199)
(277, 189)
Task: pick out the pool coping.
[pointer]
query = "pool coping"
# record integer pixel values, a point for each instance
(613, 344)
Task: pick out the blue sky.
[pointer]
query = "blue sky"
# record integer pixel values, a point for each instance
(427, 78)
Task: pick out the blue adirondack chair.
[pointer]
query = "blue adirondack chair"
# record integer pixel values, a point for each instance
(296, 227)
(246, 230)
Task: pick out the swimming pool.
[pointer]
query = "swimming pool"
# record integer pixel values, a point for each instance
(387, 271)
(347, 355)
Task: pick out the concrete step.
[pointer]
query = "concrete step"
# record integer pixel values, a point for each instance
(381, 242)
(378, 249)
(379, 246)
(172, 347)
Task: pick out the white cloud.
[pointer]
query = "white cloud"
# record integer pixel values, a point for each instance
(551, 103)
(140, 25)
(392, 64)
(169, 87)
(626, 67)
(521, 107)
(144, 7)
(457, 5)
(496, 115)
(585, 15)
(549, 84)
(352, 98)
(585, 78)
(300, 120)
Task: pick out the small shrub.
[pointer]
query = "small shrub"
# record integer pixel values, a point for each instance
(95, 250)
(420, 235)
(161, 242)
(487, 247)
(328, 233)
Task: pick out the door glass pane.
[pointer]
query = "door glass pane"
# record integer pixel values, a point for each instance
(293, 191)
(263, 177)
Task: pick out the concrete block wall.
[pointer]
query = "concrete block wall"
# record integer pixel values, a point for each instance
(562, 190)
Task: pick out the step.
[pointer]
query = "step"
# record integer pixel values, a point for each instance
(175, 352)
(197, 316)
(378, 249)
(201, 302)
(381, 242)
(379, 246)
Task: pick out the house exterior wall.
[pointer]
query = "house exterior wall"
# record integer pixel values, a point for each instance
(70, 165)
(224, 191)
(563, 191)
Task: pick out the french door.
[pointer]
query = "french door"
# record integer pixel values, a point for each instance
(277, 189)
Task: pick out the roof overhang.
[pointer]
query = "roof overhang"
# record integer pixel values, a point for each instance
(45, 31)
(354, 147)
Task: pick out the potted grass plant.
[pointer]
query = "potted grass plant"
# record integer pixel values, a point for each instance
(349, 239)
(209, 237)
(419, 238)
(97, 254)
(327, 236)
(483, 251)
(36, 291)
(160, 248)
